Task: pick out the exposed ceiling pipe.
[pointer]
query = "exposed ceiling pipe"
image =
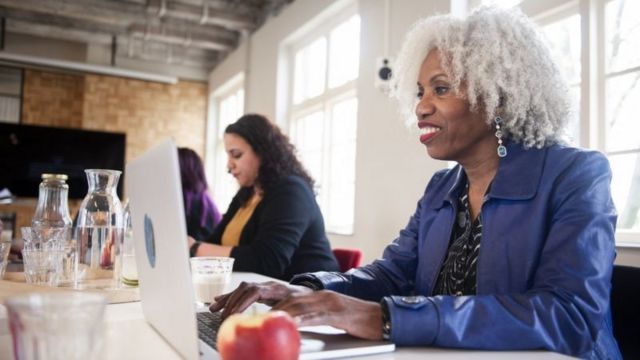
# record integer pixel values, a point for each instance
(159, 51)
(205, 13)
(175, 36)
(180, 40)
(202, 15)
(163, 8)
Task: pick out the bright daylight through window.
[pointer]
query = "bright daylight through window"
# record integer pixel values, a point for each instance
(622, 74)
(613, 127)
(324, 116)
(229, 106)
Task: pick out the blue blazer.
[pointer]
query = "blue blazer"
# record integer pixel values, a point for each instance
(544, 267)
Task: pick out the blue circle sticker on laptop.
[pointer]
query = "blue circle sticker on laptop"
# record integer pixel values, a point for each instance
(149, 241)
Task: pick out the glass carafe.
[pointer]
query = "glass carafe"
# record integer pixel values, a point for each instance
(51, 219)
(100, 228)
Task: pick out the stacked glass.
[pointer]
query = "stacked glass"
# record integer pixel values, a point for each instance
(43, 253)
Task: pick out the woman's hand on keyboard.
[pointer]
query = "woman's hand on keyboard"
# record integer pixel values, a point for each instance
(357, 317)
(269, 293)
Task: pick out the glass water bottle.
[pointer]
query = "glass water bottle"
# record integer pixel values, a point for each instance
(52, 222)
(100, 228)
(52, 210)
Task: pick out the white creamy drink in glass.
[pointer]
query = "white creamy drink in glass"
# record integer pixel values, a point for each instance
(210, 276)
(208, 286)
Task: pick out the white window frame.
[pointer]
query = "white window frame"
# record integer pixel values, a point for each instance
(215, 167)
(324, 103)
(11, 80)
(593, 119)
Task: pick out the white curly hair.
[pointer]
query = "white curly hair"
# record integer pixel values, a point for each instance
(504, 62)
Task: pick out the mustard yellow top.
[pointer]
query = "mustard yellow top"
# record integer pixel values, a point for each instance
(231, 235)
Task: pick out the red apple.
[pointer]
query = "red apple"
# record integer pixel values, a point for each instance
(271, 335)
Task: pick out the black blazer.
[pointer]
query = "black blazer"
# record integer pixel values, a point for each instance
(285, 234)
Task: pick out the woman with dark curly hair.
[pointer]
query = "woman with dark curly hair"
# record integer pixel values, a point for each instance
(273, 225)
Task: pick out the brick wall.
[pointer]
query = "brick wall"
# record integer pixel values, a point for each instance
(146, 111)
(52, 99)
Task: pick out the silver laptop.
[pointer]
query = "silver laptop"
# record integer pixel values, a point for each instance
(166, 291)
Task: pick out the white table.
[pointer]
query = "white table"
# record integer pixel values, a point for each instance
(128, 336)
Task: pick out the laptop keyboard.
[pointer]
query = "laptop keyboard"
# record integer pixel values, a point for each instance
(208, 324)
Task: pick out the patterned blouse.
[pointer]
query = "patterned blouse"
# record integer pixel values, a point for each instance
(458, 273)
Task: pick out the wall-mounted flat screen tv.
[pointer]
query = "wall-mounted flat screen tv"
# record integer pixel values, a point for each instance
(27, 151)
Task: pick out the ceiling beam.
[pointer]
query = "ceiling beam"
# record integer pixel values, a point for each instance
(61, 21)
(97, 11)
(49, 31)
(164, 53)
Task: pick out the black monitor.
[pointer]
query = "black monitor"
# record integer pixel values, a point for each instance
(27, 151)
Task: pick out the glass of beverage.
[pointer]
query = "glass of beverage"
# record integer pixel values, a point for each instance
(51, 326)
(211, 277)
(129, 270)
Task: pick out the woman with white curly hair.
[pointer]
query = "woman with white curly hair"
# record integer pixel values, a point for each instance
(511, 249)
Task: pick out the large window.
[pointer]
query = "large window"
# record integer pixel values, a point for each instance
(596, 45)
(621, 125)
(323, 115)
(10, 94)
(228, 106)
(563, 33)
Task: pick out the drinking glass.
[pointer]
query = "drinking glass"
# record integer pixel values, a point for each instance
(52, 326)
(129, 271)
(211, 277)
(5, 246)
(43, 254)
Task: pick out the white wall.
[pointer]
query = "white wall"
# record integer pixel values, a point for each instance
(392, 167)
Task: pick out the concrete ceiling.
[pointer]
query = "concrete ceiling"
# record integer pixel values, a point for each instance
(195, 34)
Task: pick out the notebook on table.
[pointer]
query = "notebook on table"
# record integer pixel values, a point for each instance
(166, 290)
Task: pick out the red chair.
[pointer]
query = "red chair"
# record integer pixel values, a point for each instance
(347, 258)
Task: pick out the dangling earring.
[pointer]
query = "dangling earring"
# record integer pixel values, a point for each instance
(502, 151)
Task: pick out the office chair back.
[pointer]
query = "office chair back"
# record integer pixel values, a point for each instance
(625, 309)
(347, 258)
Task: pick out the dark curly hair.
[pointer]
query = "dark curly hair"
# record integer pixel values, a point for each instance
(277, 155)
